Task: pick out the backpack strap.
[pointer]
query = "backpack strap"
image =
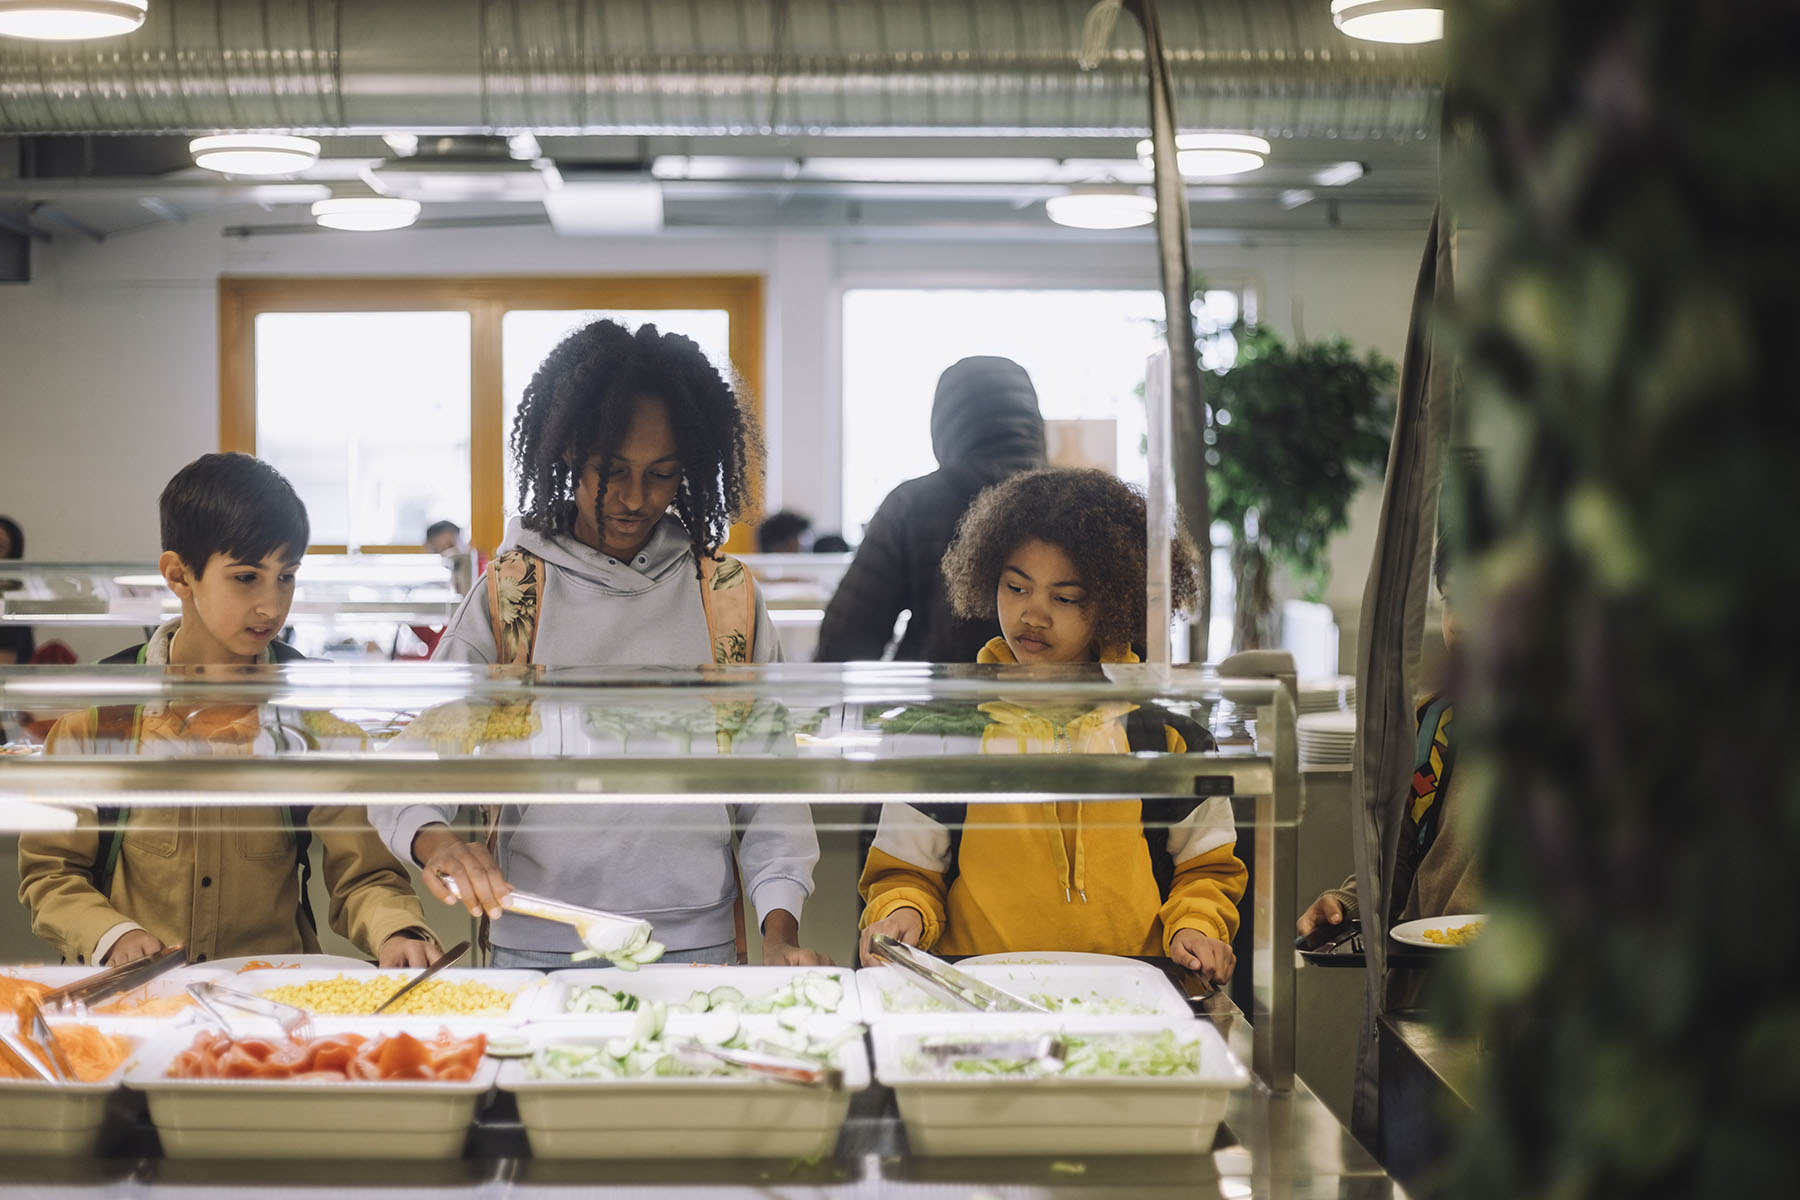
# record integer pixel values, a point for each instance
(512, 599)
(728, 593)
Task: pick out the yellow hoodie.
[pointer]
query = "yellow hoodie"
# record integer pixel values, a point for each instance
(1069, 875)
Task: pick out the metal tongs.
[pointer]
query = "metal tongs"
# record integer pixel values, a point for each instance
(54, 1066)
(787, 1069)
(1047, 1051)
(76, 998)
(940, 975)
(295, 1022)
(591, 923)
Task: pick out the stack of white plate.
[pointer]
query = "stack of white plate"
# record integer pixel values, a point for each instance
(1331, 694)
(1327, 739)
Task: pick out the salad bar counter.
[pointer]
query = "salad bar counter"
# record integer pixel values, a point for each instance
(563, 1091)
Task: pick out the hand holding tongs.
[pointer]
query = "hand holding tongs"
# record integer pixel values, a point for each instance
(940, 975)
(76, 998)
(295, 1022)
(787, 1069)
(602, 932)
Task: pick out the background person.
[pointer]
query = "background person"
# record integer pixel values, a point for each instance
(985, 426)
(16, 641)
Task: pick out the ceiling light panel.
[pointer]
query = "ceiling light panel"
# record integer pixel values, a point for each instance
(1101, 208)
(69, 20)
(254, 153)
(366, 214)
(1405, 22)
(1208, 155)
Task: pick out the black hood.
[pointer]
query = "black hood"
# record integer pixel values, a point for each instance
(986, 413)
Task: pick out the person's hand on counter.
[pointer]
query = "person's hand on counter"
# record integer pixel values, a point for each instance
(132, 945)
(441, 855)
(903, 925)
(405, 950)
(1207, 957)
(781, 943)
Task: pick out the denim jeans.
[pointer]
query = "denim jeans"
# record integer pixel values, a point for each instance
(556, 960)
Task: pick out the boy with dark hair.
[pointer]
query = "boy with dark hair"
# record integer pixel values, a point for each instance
(223, 881)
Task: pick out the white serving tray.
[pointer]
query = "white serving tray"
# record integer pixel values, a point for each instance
(675, 983)
(292, 1119)
(986, 1114)
(695, 1117)
(1102, 991)
(524, 983)
(40, 1118)
(170, 983)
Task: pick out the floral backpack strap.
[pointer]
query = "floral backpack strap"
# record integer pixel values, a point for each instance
(729, 596)
(512, 596)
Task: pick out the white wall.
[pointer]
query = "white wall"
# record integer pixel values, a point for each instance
(109, 358)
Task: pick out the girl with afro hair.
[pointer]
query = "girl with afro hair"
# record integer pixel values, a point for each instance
(633, 455)
(1057, 559)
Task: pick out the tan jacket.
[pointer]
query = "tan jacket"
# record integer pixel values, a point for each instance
(220, 880)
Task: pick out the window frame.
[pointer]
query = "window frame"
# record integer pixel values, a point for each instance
(486, 299)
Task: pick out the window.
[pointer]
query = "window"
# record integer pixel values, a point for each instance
(388, 402)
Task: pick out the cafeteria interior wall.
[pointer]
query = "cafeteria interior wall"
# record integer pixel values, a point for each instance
(109, 356)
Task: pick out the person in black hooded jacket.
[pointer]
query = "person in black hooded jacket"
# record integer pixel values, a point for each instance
(985, 426)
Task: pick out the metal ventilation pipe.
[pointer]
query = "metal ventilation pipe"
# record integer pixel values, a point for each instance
(708, 67)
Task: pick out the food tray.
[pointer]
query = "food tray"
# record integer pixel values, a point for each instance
(1101, 991)
(676, 1118)
(42, 1118)
(170, 984)
(291, 1119)
(1050, 1115)
(524, 983)
(675, 983)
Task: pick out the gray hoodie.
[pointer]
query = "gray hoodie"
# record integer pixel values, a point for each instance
(671, 864)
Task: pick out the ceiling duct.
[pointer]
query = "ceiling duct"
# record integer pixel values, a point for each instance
(710, 67)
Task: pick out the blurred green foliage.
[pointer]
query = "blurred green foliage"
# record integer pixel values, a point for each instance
(1627, 352)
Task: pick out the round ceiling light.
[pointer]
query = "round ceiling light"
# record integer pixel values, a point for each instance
(69, 20)
(1101, 208)
(1406, 22)
(365, 214)
(254, 153)
(1199, 155)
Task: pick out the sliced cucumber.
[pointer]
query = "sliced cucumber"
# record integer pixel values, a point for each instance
(699, 1002)
(793, 1017)
(822, 991)
(627, 1002)
(650, 1022)
(649, 952)
(724, 995)
(620, 1048)
(508, 1046)
(716, 1028)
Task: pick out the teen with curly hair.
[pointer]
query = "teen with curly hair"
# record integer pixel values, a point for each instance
(1057, 557)
(633, 456)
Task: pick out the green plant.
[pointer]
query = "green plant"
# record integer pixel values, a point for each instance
(1295, 432)
(1628, 359)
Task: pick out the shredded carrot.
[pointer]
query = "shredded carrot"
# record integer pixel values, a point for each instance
(92, 1054)
(142, 1004)
(263, 964)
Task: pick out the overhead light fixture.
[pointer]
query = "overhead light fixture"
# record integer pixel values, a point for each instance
(1198, 155)
(465, 168)
(365, 214)
(254, 153)
(1294, 198)
(1101, 207)
(1339, 174)
(69, 20)
(1406, 22)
